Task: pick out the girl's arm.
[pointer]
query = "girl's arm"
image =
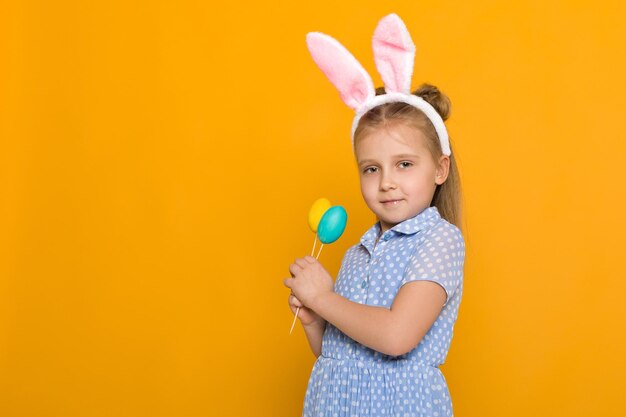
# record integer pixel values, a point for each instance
(314, 333)
(392, 331)
(312, 323)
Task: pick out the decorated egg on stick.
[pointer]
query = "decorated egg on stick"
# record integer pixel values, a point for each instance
(329, 224)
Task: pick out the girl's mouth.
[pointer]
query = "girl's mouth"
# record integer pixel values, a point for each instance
(391, 203)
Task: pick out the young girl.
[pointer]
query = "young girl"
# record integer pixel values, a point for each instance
(382, 330)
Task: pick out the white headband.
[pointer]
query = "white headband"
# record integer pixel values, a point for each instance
(394, 54)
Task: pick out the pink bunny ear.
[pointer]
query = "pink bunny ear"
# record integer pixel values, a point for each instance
(342, 69)
(394, 53)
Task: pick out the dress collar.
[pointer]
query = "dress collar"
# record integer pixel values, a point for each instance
(423, 220)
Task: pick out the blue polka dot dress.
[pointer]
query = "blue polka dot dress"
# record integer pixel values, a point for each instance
(349, 379)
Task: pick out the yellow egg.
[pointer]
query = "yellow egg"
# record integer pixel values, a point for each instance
(317, 211)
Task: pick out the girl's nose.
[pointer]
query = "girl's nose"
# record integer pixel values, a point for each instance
(387, 183)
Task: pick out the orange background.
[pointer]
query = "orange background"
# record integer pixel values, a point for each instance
(158, 160)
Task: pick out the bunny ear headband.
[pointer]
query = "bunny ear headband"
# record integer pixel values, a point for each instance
(394, 53)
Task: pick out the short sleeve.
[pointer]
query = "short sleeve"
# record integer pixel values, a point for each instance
(439, 258)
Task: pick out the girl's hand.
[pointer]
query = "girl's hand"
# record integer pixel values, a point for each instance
(310, 280)
(306, 315)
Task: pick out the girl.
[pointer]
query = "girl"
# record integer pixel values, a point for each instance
(381, 332)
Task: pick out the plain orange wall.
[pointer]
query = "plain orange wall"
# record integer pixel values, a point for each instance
(158, 160)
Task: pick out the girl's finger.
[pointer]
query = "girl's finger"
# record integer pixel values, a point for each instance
(295, 301)
(294, 269)
(293, 308)
(291, 301)
(302, 263)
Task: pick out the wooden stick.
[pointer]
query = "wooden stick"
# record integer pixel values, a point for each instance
(294, 320)
(318, 253)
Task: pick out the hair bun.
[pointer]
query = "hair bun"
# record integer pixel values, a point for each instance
(435, 98)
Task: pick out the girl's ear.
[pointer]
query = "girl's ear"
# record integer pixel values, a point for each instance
(342, 69)
(443, 169)
(394, 53)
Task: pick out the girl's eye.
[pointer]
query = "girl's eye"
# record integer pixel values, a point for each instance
(405, 164)
(369, 170)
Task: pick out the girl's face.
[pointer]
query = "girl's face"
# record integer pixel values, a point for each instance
(397, 172)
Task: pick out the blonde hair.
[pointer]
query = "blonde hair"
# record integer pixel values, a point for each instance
(447, 197)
